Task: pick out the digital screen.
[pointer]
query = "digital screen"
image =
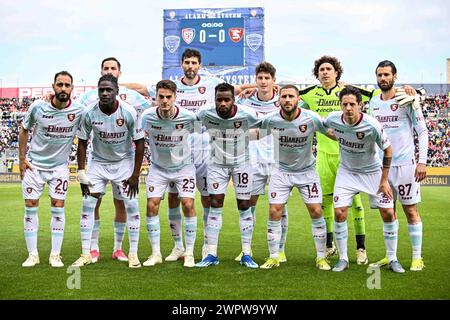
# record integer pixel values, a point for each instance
(221, 40)
(230, 40)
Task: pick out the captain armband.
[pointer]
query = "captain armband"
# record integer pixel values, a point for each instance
(387, 162)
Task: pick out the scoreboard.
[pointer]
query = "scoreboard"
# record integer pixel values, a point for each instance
(231, 41)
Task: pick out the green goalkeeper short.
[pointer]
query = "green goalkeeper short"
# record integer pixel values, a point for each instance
(327, 165)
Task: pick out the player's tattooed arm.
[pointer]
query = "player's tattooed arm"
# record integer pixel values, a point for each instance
(23, 162)
(385, 188)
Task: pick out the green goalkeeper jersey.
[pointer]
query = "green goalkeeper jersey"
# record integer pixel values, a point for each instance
(323, 101)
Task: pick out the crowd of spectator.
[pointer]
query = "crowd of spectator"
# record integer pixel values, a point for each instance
(435, 109)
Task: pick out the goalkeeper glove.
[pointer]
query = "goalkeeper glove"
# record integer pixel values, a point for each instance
(404, 99)
(83, 178)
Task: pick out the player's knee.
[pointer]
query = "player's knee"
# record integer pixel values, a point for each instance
(57, 203)
(216, 202)
(243, 205)
(387, 214)
(31, 202)
(206, 201)
(188, 206)
(340, 214)
(315, 211)
(173, 200)
(412, 215)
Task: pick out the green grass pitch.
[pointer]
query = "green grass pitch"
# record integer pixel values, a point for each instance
(296, 279)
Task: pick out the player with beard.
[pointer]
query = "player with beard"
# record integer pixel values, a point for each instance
(405, 174)
(114, 125)
(54, 125)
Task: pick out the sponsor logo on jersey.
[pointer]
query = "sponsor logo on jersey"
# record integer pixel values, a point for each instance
(360, 135)
(394, 106)
(172, 43)
(47, 117)
(172, 184)
(254, 41)
(179, 126)
(337, 93)
(120, 122)
(236, 34)
(97, 123)
(303, 128)
(336, 198)
(188, 35)
(273, 194)
(29, 190)
(123, 96)
(156, 127)
(202, 90)
(253, 13)
(151, 188)
(71, 116)
(215, 185)
(237, 124)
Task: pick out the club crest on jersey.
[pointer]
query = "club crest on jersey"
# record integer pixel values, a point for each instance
(202, 90)
(120, 122)
(273, 194)
(123, 96)
(360, 135)
(151, 188)
(29, 190)
(172, 43)
(215, 185)
(237, 124)
(236, 34)
(254, 41)
(277, 104)
(188, 35)
(303, 128)
(71, 116)
(394, 106)
(336, 198)
(179, 126)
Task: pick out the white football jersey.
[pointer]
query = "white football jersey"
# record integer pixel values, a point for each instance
(53, 132)
(261, 151)
(359, 143)
(169, 138)
(112, 134)
(399, 125)
(293, 139)
(228, 137)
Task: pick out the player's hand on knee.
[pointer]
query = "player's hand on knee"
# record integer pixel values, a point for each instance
(83, 178)
(385, 189)
(85, 190)
(133, 186)
(23, 166)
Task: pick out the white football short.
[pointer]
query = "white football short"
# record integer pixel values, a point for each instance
(34, 181)
(261, 174)
(101, 173)
(242, 175)
(404, 185)
(307, 183)
(200, 159)
(182, 181)
(348, 184)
